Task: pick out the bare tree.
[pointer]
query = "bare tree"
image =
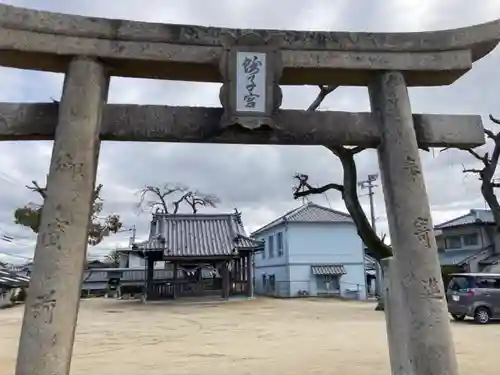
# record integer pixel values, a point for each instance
(487, 171)
(168, 198)
(114, 258)
(348, 189)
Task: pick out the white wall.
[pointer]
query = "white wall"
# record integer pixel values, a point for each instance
(276, 265)
(263, 259)
(282, 285)
(302, 279)
(325, 243)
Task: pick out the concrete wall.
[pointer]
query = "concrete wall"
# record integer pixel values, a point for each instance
(351, 284)
(276, 265)
(306, 244)
(281, 283)
(325, 243)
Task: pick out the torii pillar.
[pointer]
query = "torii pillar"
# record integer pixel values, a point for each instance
(430, 345)
(51, 309)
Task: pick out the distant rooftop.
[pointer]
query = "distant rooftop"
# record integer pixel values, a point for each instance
(474, 216)
(309, 213)
(199, 235)
(12, 279)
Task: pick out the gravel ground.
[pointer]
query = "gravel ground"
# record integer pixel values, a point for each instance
(261, 336)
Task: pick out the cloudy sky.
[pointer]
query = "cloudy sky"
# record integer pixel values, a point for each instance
(255, 179)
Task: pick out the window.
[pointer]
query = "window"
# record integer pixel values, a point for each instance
(272, 283)
(264, 281)
(488, 283)
(460, 283)
(264, 251)
(270, 242)
(453, 242)
(327, 283)
(279, 243)
(471, 239)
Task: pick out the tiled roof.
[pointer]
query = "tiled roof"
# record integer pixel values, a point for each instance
(456, 257)
(12, 279)
(200, 235)
(328, 269)
(309, 213)
(473, 217)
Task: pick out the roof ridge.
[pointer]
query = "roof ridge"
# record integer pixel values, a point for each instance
(195, 216)
(276, 221)
(329, 209)
(475, 213)
(454, 219)
(290, 215)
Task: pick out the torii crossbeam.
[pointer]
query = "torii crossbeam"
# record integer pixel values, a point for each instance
(251, 64)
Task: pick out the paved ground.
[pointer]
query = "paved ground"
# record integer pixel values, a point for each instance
(263, 336)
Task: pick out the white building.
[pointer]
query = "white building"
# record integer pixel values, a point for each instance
(312, 250)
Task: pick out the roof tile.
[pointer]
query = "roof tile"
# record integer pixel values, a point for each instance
(12, 279)
(200, 235)
(473, 217)
(311, 213)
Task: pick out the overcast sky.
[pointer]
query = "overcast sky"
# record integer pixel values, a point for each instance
(255, 179)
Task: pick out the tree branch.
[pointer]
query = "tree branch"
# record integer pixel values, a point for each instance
(487, 173)
(38, 189)
(304, 189)
(484, 159)
(493, 119)
(471, 170)
(190, 197)
(99, 227)
(324, 91)
(377, 247)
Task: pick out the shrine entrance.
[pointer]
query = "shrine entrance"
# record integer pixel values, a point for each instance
(251, 65)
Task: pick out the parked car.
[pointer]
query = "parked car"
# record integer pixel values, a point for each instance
(475, 295)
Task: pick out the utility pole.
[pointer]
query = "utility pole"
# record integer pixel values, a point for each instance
(132, 237)
(369, 184)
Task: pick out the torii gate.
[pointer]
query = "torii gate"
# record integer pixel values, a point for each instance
(251, 64)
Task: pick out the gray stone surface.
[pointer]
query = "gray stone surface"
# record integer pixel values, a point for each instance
(51, 308)
(476, 38)
(430, 346)
(396, 318)
(124, 122)
(42, 40)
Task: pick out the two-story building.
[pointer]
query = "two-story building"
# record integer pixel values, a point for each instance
(311, 250)
(469, 243)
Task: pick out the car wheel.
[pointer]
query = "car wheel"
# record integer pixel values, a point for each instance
(458, 316)
(482, 315)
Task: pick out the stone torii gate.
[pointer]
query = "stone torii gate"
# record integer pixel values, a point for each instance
(251, 64)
